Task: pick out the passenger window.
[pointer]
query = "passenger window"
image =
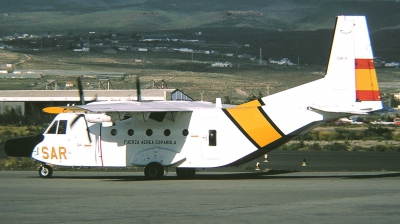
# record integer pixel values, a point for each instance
(212, 137)
(62, 127)
(53, 128)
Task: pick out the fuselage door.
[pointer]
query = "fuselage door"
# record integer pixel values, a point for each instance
(209, 141)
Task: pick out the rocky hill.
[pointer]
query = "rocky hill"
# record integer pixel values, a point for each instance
(148, 15)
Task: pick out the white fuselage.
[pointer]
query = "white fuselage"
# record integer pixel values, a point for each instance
(202, 138)
(133, 142)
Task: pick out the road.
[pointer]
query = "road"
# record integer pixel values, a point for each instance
(212, 197)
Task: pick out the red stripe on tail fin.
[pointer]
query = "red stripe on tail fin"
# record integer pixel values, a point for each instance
(365, 64)
(367, 88)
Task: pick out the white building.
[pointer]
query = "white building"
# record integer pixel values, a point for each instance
(222, 64)
(283, 61)
(392, 64)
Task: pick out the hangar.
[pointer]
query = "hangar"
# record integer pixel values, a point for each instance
(21, 100)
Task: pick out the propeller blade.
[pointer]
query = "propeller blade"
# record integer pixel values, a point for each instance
(139, 94)
(80, 87)
(75, 120)
(88, 134)
(87, 127)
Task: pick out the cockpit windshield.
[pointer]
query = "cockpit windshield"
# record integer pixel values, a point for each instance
(58, 127)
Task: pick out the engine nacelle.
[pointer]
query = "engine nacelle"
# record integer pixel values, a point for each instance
(98, 118)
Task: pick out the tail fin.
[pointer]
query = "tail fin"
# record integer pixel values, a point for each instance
(351, 66)
(350, 85)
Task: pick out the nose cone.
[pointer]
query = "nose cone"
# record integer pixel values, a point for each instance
(22, 146)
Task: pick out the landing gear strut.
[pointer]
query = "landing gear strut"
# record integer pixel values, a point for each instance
(45, 171)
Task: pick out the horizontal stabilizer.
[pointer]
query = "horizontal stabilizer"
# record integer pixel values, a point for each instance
(341, 109)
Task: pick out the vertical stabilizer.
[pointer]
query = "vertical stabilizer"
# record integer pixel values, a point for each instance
(349, 87)
(351, 67)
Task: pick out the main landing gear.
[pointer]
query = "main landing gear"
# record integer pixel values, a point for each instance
(154, 171)
(45, 171)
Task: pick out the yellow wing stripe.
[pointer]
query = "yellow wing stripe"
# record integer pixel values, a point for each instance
(255, 124)
(63, 109)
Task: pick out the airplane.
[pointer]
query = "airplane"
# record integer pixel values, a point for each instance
(191, 135)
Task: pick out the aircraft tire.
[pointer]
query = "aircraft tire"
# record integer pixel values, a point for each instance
(45, 171)
(154, 171)
(185, 173)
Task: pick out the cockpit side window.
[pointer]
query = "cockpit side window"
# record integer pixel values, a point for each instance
(62, 127)
(53, 128)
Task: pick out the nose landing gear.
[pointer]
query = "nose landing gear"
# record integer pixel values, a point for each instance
(45, 171)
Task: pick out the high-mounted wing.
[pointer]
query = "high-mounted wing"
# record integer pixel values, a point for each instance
(154, 106)
(155, 110)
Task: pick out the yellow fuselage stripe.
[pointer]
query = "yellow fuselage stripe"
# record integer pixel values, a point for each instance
(254, 103)
(255, 125)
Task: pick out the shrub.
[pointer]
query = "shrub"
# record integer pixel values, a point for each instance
(340, 134)
(379, 148)
(396, 137)
(312, 135)
(314, 147)
(358, 148)
(385, 133)
(335, 147)
(15, 163)
(346, 134)
(333, 136)
(323, 135)
(296, 146)
(292, 147)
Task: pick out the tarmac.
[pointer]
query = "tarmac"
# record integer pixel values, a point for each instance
(332, 187)
(212, 197)
(316, 161)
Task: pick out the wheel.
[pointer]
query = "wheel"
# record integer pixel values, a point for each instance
(45, 171)
(185, 173)
(154, 171)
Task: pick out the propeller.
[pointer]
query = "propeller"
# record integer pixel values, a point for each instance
(82, 102)
(139, 94)
(87, 127)
(80, 88)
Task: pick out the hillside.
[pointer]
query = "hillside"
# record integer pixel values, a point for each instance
(273, 25)
(149, 15)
